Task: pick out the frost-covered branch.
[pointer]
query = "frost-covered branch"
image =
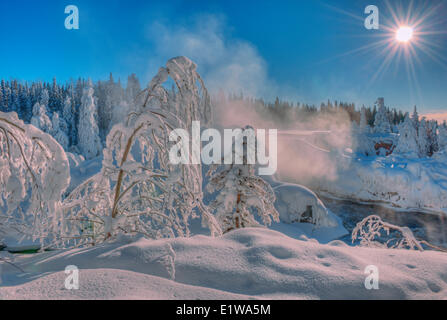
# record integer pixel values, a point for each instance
(373, 232)
(34, 173)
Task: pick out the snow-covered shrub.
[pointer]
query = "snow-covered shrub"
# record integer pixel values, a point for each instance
(89, 141)
(138, 190)
(373, 232)
(241, 193)
(299, 204)
(34, 173)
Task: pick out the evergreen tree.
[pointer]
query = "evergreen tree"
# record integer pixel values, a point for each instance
(89, 142)
(415, 118)
(68, 115)
(363, 126)
(241, 193)
(40, 118)
(407, 143)
(381, 120)
(442, 137)
(423, 139)
(58, 132)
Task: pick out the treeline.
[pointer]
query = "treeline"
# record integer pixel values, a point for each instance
(286, 112)
(56, 108)
(43, 99)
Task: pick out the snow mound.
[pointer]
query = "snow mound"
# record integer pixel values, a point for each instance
(246, 263)
(296, 203)
(111, 285)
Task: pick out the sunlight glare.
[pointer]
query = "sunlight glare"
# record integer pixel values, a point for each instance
(404, 34)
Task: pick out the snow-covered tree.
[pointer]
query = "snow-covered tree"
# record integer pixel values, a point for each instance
(44, 98)
(89, 142)
(68, 115)
(363, 126)
(373, 232)
(34, 174)
(58, 130)
(442, 137)
(423, 139)
(40, 118)
(138, 190)
(382, 121)
(415, 118)
(432, 133)
(241, 194)
(189, 100)
(133, 88)
(408, 138)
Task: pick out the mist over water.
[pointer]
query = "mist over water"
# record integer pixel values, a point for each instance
(306, 148)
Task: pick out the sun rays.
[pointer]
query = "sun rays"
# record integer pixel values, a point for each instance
(405, 35)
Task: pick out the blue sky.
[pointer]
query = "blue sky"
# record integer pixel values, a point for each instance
(293, 49)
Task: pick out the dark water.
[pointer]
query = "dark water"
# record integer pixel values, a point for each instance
(427, 226)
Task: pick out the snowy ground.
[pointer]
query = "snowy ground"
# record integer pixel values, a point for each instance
(251, 263)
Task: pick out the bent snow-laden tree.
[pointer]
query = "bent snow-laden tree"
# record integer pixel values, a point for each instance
(240, 192)
(373, 232)
(188, 99)
(34, 173)
(138, 190)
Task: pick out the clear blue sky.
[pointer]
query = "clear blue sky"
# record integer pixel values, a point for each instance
(298, 44)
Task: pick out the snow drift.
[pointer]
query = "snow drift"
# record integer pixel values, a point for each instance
(247, 263)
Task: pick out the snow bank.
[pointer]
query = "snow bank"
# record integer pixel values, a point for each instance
(419, 184)
(400, 181)
(247, 263)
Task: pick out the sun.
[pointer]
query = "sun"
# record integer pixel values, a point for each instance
(404, 34)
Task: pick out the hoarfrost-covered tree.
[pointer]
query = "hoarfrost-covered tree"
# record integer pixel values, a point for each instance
(423, 139)
(415, 118)
(432, 135)
(58, 130)
(138, 190)
(382, 121)
(133, 88)
(240, 192)
(188, 100)
(363, 126)
(40, 118)
(44, 98)
(89, 141)
(69, 115)
(407, 143)
(34, 174)
(373, 232)
(442, 137)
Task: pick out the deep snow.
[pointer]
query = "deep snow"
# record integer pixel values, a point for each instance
(247, 263)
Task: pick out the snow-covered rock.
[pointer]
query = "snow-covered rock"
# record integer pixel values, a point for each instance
(297, 203)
